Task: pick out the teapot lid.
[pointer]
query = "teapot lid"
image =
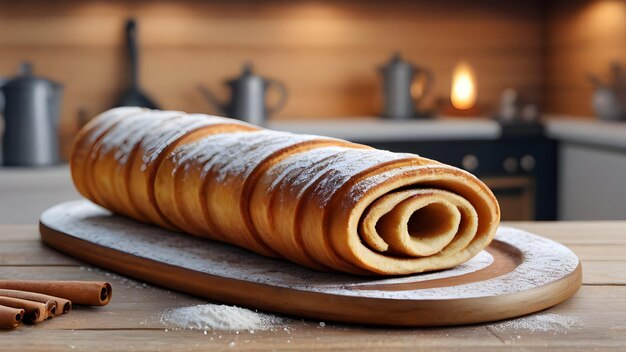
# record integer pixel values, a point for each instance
(246, 73)
(247, 69)
(25, 76)
(395, 61)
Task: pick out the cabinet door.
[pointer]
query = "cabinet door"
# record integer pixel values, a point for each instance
(516, 196)
(592, 183)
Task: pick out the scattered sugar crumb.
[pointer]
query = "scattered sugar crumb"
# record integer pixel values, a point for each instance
(219, 317)
(544, 322)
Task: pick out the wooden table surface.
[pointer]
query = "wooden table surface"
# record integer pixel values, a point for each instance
(595, 318)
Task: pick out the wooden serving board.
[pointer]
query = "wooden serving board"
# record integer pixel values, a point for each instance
(519, 273)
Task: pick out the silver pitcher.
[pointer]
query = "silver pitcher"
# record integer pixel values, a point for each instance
(247, 100)
(31, 119)
(400, 93)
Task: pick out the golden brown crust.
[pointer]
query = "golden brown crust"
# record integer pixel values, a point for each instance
(321, 202)
(87, 137)
(177, 191)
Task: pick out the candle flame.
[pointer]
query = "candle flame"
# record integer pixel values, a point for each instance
(463, 94)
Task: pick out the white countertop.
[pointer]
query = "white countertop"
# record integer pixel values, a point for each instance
(372, 129)
(26, 192)
(587, 131)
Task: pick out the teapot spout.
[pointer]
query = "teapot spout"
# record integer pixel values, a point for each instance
(212, 99)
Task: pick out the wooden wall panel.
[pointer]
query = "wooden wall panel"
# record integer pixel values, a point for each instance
(582, 37)
(326, 52)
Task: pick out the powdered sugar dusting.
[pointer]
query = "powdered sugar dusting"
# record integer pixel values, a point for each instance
(362, 188)
(237, 153)
(541, 322)
(319, 167)
(109, 118)
(219, 317)
(332, 172)
(479, 262)
(289, 171)
(200, 151)
(125, 136)
(247, 153)
(156, 140)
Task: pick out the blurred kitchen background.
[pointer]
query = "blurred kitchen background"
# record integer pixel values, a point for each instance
(528, 95)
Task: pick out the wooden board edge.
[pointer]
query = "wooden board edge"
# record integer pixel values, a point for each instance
(316, 305)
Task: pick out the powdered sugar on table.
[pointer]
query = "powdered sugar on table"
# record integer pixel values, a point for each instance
(219, 317)
(540, 322)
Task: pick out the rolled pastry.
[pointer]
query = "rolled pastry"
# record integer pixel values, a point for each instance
(321, 202)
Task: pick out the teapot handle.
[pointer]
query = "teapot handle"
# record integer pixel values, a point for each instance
(283, 93)
(428, 83)
(2, 101)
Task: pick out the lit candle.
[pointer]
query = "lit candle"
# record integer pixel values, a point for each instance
(463, 94)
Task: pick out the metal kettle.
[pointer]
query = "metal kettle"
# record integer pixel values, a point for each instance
(247, 101)
(31, 119)
(401, 91)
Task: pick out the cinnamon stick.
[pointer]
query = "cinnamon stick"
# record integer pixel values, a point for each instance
(10, 317)
(91, 293)
(34, 312)
(63, 306)
(51, 309)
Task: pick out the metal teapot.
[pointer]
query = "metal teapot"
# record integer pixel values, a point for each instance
(609, 97)
(247, 101)
(31, 119)
(400, 91)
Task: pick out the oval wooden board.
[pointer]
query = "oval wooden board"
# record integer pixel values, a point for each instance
(519, 273)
